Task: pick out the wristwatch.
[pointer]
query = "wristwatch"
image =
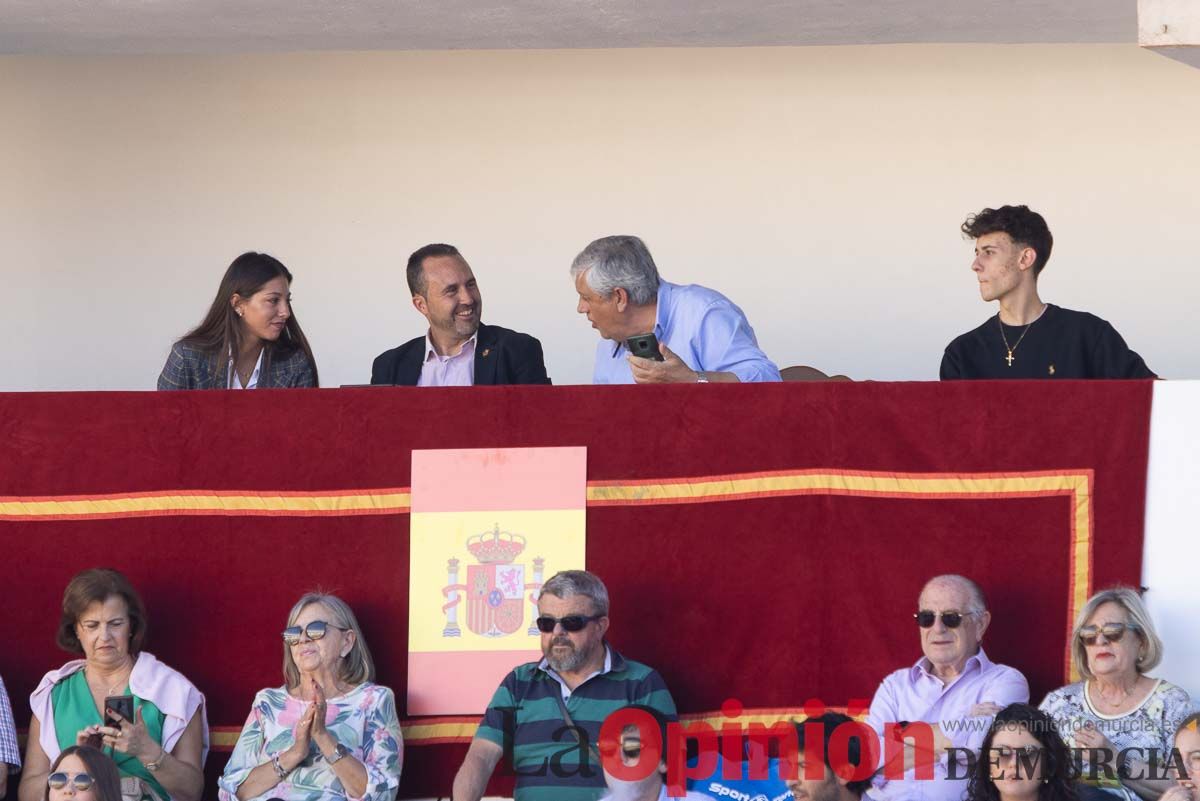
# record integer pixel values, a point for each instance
(701, 377)
(338, 753)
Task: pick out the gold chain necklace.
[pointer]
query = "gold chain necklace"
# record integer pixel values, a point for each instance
(1011, 348)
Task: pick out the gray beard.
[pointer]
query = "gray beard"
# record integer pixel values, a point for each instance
(566, 664)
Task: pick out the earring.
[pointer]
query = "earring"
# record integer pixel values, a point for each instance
(241, 313)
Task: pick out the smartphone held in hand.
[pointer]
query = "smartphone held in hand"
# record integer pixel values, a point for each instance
(122, 705)
(645, 346)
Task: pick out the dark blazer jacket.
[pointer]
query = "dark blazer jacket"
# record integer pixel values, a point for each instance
(502, 356)
(188, 367)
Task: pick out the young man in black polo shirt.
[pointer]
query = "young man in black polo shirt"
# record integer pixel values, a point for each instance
(1028, 338)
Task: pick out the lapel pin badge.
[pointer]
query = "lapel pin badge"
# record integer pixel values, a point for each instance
(485, 353)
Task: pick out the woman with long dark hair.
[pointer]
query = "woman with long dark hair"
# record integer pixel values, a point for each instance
(249, 339)
(83, 773)
(1022, 759)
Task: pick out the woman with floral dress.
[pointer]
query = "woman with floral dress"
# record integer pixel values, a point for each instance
(330, 733)
(1118, 713)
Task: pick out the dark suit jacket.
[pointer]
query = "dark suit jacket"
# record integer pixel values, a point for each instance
(501, 357)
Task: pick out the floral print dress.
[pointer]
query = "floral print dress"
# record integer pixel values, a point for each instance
(364, 720)
(1151, 726)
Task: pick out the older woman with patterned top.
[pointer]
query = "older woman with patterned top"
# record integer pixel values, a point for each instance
(160, 748)
(330, 733)
(1118, 707)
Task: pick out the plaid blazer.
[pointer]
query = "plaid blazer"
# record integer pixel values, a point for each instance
(188, 367)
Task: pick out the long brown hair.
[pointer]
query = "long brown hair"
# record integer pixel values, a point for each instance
(99, 766)
(221, 334)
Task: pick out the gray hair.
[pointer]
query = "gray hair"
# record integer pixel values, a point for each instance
(1139, 620)
(619, 261)
(974, 592)
(357, 666)
(579, 582)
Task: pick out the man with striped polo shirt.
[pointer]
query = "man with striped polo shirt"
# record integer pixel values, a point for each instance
(545, 717)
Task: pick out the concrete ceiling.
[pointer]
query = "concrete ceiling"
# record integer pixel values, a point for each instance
(221, 26)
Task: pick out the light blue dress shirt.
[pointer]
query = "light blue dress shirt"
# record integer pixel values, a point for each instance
(700, 326)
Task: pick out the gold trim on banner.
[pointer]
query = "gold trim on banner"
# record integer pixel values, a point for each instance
(699, 489)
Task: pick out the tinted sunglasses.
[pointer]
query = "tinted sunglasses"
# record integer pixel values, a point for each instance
(926, 619)
(81, 782)
(1113, 632)
(314, 631)
(546, 624)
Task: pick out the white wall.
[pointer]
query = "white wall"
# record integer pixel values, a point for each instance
(1171, 551)
(821, 188)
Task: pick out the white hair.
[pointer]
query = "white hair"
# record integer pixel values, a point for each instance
(619, 261)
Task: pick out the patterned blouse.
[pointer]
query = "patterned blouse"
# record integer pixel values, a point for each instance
(364, 720)
(1151, 725)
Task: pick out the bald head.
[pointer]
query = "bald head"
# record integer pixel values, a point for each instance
(978, 602)
(948, 646)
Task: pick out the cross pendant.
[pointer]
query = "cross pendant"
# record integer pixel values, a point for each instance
(1009, 358)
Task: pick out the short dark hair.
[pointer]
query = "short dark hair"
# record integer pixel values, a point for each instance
(854, 745)
(97, 586)
(1025, 226)
(416, 264)
(1058, 782)
(99, 766)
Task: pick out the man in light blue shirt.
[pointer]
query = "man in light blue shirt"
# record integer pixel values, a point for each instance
(702, 335)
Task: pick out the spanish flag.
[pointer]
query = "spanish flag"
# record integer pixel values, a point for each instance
(488, 527)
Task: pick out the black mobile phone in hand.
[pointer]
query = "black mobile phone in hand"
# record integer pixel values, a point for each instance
(122, 705)
(644, 345)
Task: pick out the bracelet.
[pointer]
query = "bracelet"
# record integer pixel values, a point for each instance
(279, 771)
(156, 763)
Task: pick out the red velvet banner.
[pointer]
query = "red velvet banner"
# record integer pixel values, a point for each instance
(765, 542)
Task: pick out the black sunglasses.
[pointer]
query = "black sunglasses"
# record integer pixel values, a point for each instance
(926, 619)
(1113, 632)
(314, 631)
(82, 782)
(546, 624)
